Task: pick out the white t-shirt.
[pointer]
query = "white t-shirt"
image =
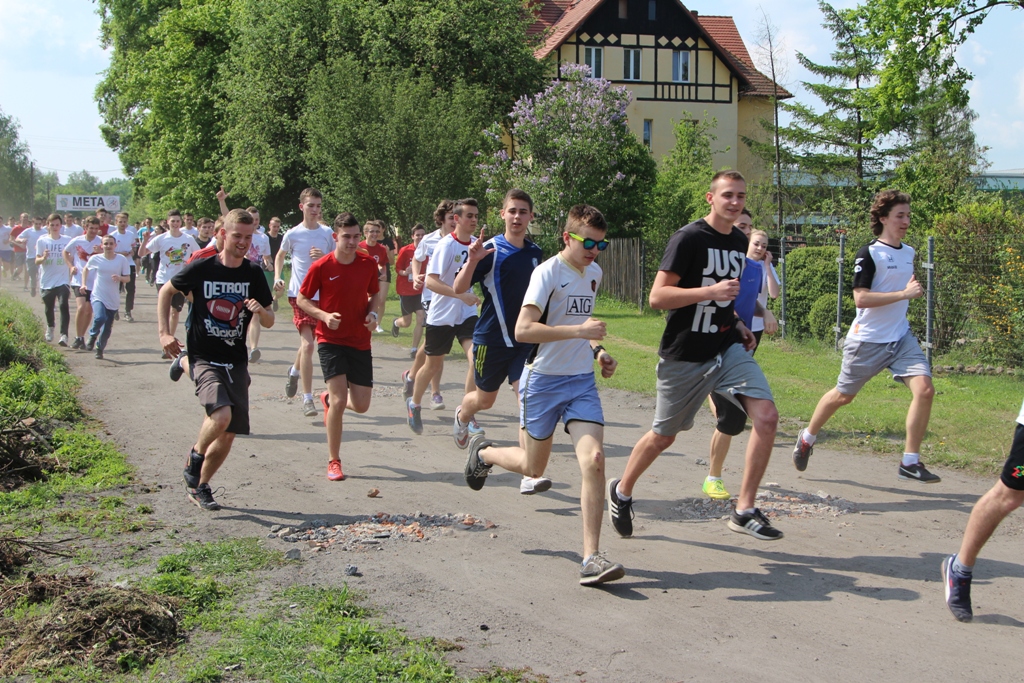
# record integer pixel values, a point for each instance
(425, 250)
(104, 289)
(565, 296)
(5, 238)
(259, 248)
(124, 242)
(73, 230)
(81, 249)
(191, 232)
(449, 258)
(32, 236)
(882, 268)
(297, 242)
(762, 297)
(53, 272)
(174, 251)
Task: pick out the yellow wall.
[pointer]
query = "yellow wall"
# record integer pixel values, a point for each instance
(665, 113)
(750, 111)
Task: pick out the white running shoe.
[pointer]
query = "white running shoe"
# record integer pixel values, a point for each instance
(49, 334)
(531, 485)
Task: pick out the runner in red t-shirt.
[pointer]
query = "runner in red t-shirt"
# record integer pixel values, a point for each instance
(104, 217)
(374, 232)
(351, 301)
(407, 292)
(19, 250)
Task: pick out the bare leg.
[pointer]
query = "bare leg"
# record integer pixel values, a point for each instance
(417, 333)
(431, 366)
(254, 334)
(645, 452)
(467, 346)
(531, 461)
(305, 358)
(988, 512)
(343, 395)
(920, 411)
(214, 442)
(476, 401)
(719, 449)
(827, 407)
(587, 439)
(83, 316)
(765, 419)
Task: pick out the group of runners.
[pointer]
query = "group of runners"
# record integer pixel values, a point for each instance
(533, 329)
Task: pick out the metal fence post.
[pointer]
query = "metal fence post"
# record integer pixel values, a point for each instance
(839, 296)
(782, 275)
(930, 301)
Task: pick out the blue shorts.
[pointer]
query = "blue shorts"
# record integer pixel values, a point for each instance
(493, 364)
(546, 399)
(7, 255)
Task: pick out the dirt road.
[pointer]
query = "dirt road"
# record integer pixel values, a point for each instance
(852, 596)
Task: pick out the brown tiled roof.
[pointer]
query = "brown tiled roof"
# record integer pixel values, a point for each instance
(558, 19)
(723, 30)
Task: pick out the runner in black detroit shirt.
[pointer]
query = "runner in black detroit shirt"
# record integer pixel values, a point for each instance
(219, 319)
(701, 256)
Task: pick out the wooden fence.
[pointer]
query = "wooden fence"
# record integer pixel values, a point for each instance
(623, 266)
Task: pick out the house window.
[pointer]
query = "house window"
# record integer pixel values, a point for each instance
(651, 10)
(623, 9)
(681, 66)
(631, 64)
(648, 132)
(594, 58)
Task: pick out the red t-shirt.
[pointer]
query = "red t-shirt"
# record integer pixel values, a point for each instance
(377, 252)
(403, 283)
(344, 289)
(208, 250)
(104, 229)
(14, 231)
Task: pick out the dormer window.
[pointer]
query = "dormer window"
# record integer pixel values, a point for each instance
(652, 12)
(623, 9)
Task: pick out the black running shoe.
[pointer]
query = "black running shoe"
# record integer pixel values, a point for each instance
(394, 328)
(91, 344)
(203, 497)
(99, 353)
(755, 524)
(476, 469)
(918, 473)
(191, 473)
(801, 452)
(79, 343)
(958, 591)
(176, 371)
(291, 385)
(620, 512)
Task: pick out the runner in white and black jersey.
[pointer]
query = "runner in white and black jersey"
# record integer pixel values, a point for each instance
(704, 350)
(451, 315)
(444, 219)
(880, 336)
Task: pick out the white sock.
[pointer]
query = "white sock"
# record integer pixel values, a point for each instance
(710, 478)
(307, 397)
(808, 438)
(292, 372)
(911, 458)
(749, 511)
(619, 494)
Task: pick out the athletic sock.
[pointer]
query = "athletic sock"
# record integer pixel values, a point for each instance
(624, 499)
(307, 397)
(911, 459)
(195, 462)
(710, 478)
(292, 372)
(749, 511)
(808, 438)
(961, 568)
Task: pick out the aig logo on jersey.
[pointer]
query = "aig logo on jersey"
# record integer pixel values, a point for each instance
(579, 305)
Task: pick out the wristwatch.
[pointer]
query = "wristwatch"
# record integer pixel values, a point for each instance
(376, 318)
(597, 351)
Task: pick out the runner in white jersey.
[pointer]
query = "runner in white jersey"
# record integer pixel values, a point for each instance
(76, 254)
(189, 226)
(880, 336)
(174, 248)
(107, 271)
(444, 219)
(558, 383)
(54, 276)
(306, 243)
(27, 240)
(71, 228)
(6, 250)
(451, 315)
(126, 241)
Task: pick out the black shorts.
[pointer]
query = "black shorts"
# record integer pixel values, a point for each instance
(1013, 470)
(218, 386)
(731, 419)
(356, 365)
(439, 338)
(492, 365)
(177, 301)
(385, 274)
(410, 304)
(83, 293)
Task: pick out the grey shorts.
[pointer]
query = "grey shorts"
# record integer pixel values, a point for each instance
(864, 360)
(218, 386)
(683, 386)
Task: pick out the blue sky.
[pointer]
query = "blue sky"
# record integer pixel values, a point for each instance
(50, 63)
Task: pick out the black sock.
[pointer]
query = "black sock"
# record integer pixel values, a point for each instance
(195, 463)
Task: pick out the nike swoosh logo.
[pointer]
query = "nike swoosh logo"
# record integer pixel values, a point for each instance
(566, 285)
(334, 278)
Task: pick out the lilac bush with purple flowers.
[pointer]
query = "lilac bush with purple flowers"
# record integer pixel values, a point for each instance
(572, 145)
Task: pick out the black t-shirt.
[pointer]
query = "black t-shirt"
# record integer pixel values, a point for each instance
(218, 319)
(203, 243)
(275, 243)
(701, 256)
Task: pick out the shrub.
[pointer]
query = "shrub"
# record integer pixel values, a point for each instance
(822, 318)
(812, 273)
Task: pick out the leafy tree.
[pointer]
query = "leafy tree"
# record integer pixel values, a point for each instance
(15, 168)
(388, 144)
(572, 146)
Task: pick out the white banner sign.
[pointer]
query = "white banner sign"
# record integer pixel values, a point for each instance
(88, 202)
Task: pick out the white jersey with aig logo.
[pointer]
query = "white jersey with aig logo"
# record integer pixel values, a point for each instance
(565, 296)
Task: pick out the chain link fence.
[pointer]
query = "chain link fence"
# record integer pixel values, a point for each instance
(972, 311)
